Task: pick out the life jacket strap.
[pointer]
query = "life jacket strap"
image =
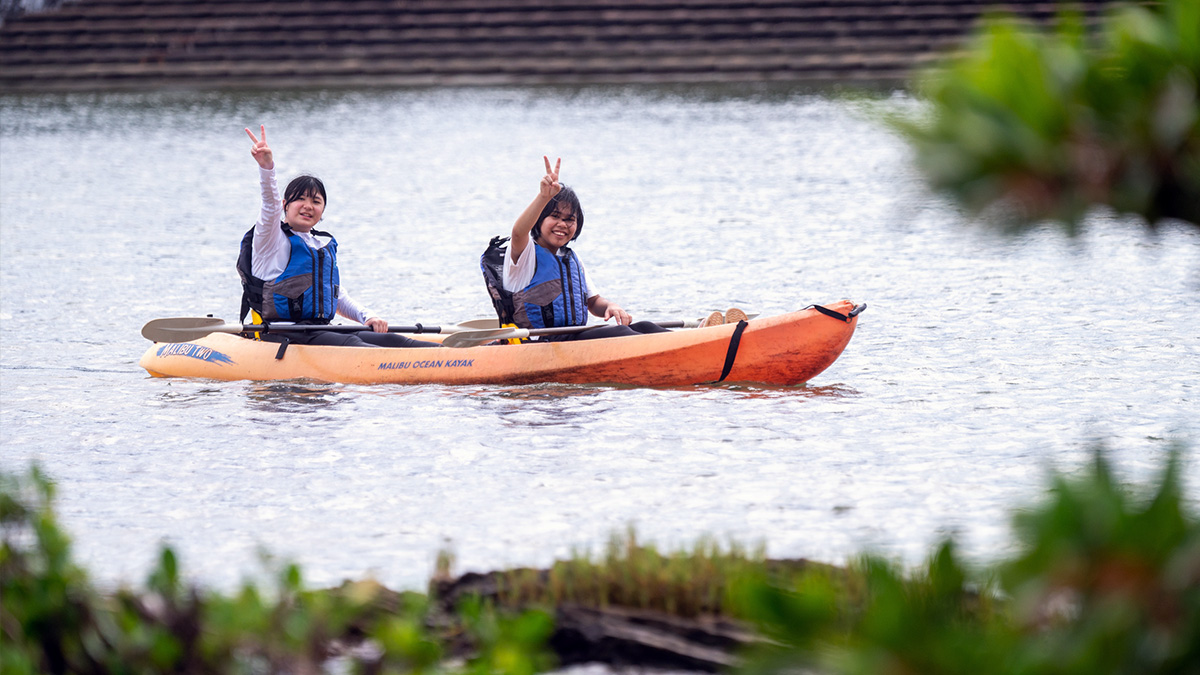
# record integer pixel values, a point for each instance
(257, 320)
(513, 341)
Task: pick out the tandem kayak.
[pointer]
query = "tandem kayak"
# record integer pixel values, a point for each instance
(785, 349)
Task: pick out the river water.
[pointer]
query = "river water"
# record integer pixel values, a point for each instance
(981, 361)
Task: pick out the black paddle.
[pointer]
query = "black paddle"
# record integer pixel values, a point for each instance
(466, 334)
(186, 329)
(473, 338)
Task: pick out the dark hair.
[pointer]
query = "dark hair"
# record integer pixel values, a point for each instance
(303, 186)
(565, 197)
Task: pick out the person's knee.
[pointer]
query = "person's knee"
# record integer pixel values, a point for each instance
(393, 340)
(608, 332)
(647, 327)
(332, 339)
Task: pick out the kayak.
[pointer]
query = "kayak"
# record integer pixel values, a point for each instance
(786, 349)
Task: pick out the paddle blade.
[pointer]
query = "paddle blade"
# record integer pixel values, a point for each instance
(474, 338)
(185, 329)
(480, 323)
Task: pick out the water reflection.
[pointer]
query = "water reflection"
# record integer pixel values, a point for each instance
(546, 391)
(747, 390)
(544, 405)
(181, 392)
(552, 405)
(293, 397)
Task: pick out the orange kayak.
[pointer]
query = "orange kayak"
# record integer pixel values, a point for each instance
(786, 349)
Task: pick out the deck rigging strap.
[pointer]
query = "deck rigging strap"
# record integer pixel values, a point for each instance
(267, 336)
(830, 313)
(731, 353)
(838, 315)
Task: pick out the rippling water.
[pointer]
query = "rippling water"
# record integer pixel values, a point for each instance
(980, 361)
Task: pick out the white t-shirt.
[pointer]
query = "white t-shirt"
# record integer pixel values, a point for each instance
(271, 249)
(517, 275)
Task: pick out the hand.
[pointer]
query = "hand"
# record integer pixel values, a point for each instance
(377, 324)
(550, 185)
(615, 311)
(261, 151)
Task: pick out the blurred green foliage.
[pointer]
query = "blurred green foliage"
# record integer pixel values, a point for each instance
(1105, 579)
(52, 620)
(510, 647)
(1026, 125)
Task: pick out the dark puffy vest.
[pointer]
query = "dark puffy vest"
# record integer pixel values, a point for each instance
(307, 289)
(492, 264)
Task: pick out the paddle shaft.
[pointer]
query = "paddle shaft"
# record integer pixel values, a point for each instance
(336, 328)
(186, 329)
(472, 338)
(563, 330)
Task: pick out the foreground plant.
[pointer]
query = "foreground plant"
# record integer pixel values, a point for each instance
(1030, 125)
(53, 621)
(1108, 581)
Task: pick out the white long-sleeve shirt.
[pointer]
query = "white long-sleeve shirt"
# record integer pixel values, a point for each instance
(271, 249)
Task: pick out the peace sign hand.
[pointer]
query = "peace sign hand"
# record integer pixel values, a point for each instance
(550, 185)
(261, 151)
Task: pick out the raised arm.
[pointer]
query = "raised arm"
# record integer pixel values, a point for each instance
(271, 248)
(261, 151)
(548, 187)
(272, 204)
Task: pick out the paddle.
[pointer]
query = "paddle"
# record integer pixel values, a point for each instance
(186, 329)
(480, 323)
(495, 323)
(474, 338)
(466, 334)
(477, 337)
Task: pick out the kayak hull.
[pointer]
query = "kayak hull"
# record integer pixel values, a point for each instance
(786, 349)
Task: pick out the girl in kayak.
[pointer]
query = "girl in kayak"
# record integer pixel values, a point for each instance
(548, 283)
(289, 270)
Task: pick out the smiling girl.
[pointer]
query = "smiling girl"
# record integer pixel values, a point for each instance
(548, 283)
(289, 270)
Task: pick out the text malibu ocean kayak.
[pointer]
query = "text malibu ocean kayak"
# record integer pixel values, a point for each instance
(786, 349)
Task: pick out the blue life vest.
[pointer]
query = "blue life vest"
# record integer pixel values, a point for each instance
(557, 295)
(307, 289)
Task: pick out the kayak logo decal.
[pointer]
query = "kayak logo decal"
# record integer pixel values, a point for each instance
(405, 365)
(194, 351)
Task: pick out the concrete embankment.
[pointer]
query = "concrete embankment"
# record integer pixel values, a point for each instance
(99, 45)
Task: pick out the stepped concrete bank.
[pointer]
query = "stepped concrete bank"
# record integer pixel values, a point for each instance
(113, 45)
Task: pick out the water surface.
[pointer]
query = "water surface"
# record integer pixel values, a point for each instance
(980, 361)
